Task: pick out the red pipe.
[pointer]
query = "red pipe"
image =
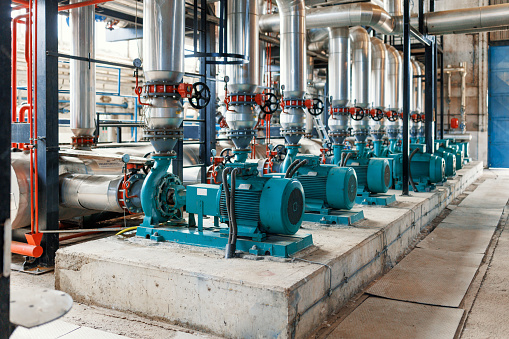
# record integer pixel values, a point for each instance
(21, 2)
(26, 249)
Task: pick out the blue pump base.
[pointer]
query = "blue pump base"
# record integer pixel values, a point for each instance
(275, 245)
(421, 187)
(330, 216)
(375, 199)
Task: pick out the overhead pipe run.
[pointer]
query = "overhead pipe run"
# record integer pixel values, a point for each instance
(468, 20)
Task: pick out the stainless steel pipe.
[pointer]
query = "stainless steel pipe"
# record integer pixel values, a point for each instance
(82, 73)
(339, 66)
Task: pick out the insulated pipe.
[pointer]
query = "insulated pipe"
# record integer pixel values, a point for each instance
(91, 192)
(378, 73)
(82, 83)
(394, 80)
(163, 62)
(339, 66)
(244, 32)
(361, 74)
(339, 82)
(468, 20)
(355, 14)
(293, 49)
(361, 66)
(378, 85)
(417, 87)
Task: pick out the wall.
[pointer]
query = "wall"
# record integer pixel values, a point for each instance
(473, 49)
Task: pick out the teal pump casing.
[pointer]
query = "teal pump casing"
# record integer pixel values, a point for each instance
(162, 193)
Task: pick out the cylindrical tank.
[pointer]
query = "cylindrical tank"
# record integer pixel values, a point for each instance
(82, 73)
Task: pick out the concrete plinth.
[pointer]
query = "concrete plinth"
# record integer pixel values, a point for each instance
(244, 298)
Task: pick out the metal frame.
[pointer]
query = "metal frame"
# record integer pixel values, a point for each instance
(5, 161)
(47, 103)
(406, 95)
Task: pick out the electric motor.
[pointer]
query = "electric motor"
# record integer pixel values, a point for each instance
(373, 174)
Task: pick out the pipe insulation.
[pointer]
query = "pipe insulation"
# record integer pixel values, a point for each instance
(243, 28)
(355, 14)
(293, 51)
(82, 73)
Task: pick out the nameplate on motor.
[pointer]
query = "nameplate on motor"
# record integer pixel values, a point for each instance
(201, 191)
(244, 186)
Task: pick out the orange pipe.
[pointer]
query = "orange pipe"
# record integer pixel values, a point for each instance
(21, 2)
(35, 113)
(26, 249)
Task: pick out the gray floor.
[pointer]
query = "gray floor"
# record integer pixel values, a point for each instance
(429, 290)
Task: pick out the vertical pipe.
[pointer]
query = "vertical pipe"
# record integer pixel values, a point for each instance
(82, 84)
(5, 160)
(406, 94)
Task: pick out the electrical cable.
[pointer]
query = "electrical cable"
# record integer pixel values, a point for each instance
(299, 165)
(289, 169)
(127, 230)
(409, 169)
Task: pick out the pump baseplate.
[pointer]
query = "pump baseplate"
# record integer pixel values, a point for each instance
(275, 245)
(339, 217)
(378, 199)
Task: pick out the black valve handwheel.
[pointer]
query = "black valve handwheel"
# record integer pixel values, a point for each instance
(379, 115)
(270, 104)
(417, 118)
(359, 114)
(317, 107)
(227, 154)
(281, 152)
(392, 116)
(201, 95)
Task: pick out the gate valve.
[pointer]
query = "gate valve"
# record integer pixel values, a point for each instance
(357, 113)
(227, 155)
(401, 115)
(324, 154)
(185, 90)
(416, 118)
(392, 116)
(315, 106)
(268, 102)
(376, 114)
(223, 123)
(201, 95)
(280, 152)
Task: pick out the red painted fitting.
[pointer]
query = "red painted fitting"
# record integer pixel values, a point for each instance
(26, 249)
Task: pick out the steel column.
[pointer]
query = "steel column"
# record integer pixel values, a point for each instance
(47, 110)
(406, 94)
(442, 95)
(430, 72)
(5, 161)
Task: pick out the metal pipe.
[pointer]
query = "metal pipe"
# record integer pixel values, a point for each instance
(244, 32)
(378, 88)
(163, 58)
(416, 88)
(91, 192)
(346, 15)
(293, 49)
(394, 90)
(407, 83)
(339, 66)
(361, 78)
(463, 107)
(468, 20)
(82, 84)
(26, 249)
(361, 66)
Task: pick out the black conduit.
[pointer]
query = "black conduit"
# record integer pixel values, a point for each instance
(409, 169)
(233, 220)
(346, 159)
(293, 164)
(296, 168)
(228, 253)
(342, 160)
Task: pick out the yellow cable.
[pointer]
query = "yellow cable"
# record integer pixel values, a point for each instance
(127, 229)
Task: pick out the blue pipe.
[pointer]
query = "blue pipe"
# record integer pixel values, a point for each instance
(337, 150)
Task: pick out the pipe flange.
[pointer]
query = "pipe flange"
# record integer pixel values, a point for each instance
(82, 142)
(168, 196)
(127, 201)
(240, 133)
(164, 133)
(293, 132)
